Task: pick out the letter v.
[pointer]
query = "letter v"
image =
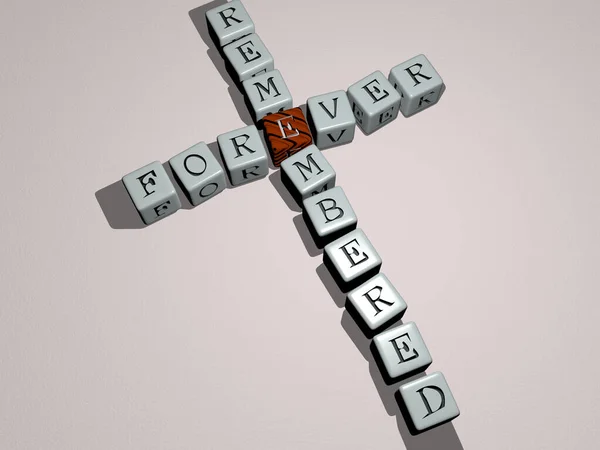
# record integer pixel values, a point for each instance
(338, 138)
(334, 108)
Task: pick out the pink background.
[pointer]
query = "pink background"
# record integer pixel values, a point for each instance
(215, 328)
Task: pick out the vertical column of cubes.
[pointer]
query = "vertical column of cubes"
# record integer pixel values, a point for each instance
(250, 60)
(353, 262)
(253, 67)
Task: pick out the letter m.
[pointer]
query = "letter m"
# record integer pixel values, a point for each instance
(267, 90)
(308, 168)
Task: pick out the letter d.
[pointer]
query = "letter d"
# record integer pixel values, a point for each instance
(426, 402)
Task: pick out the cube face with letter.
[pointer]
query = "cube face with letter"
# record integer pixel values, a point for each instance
(229, 22)
(331, 119)
(244, 155)
(374, 101)
(375, 304)
(418, 83)
(351, 260)
(307, 173)
(198, 173)
(328, 216)
(267, 94)
(401, 352)
(152, 192)
(249, 57)
(427, 402)
(287, 132)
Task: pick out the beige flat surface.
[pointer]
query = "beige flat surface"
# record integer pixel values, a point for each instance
(213, 329)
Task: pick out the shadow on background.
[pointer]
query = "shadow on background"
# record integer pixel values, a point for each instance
(338, 297)
(275, 179)
(443, 437)
(118, 208)
(307, 239)
(198, 17)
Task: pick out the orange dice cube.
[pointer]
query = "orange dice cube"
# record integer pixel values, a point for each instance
(287, 133)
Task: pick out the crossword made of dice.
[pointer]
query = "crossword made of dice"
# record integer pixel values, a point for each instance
(294, 143)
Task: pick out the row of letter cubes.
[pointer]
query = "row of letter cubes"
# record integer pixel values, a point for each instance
(332, 118)
(201, 176)
(371, 103)
(244, 154)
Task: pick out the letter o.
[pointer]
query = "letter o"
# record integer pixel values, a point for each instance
(185, 164)
(201, 193)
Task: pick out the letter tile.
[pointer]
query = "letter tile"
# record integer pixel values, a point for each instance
(198, 173)
(267, 94)
(351, 260)
(287, 132)
(307, 173)
(244, 155)
(401, 352)
(328, 216)
(419, 85)
(427, 402)
(152, 192)
(331, 119)
(229, 22)
(375, 102)
(249, 57)
(375, 303)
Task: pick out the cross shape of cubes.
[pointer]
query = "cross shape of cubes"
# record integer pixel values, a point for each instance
(295, 144)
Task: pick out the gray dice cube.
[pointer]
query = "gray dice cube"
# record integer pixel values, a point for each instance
(427, 402)
(375, 304)
(198, 173)
(351, 260)
(249, 57)
(374, 101)
(307, 173)
(152, 192)
(401, 352)
(229, 22)
(267, 94)
(244, 155)
(331, 119)
(418, 83)
(328, 216)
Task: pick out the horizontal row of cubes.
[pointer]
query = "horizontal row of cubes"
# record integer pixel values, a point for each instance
(371, 103)
(375, 100)
(199, 174)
